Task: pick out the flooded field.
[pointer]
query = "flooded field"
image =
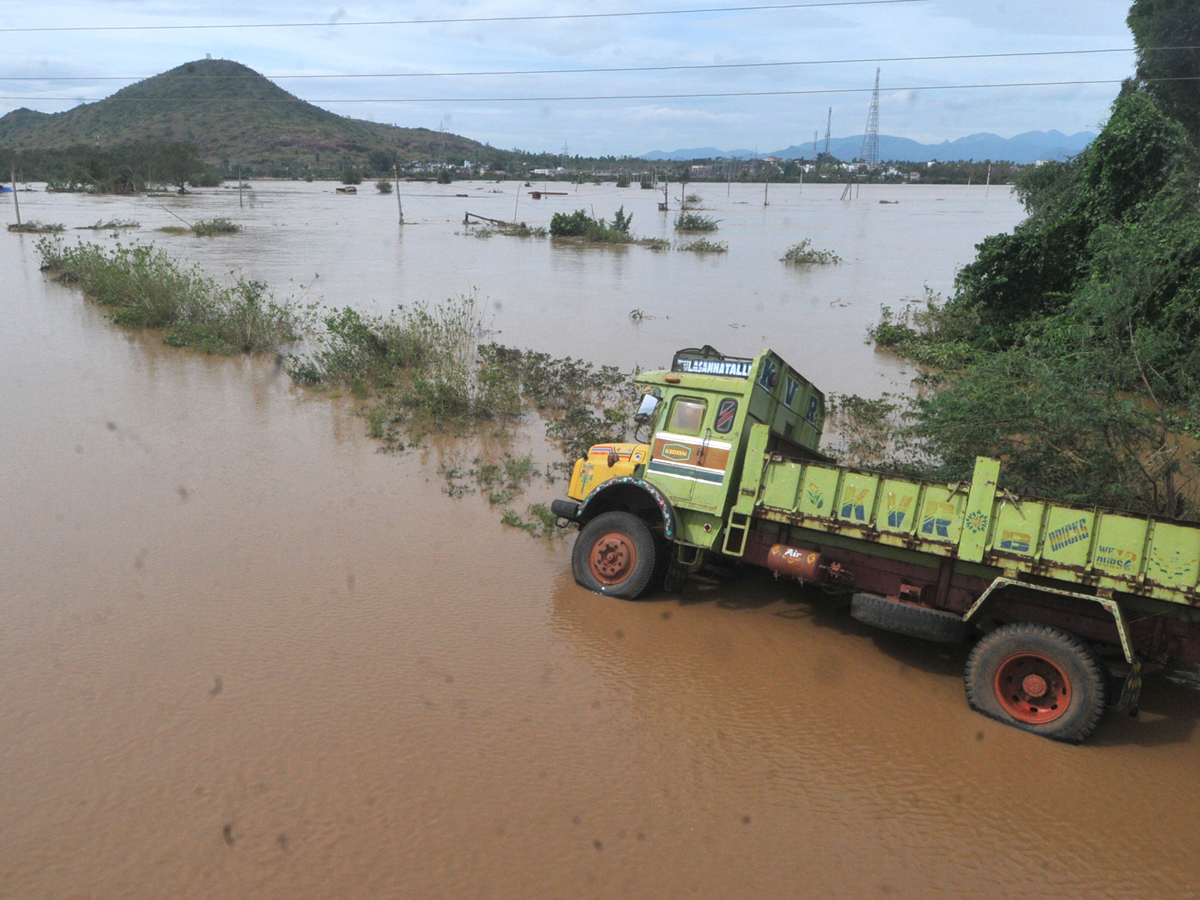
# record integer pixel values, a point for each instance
(244, 655)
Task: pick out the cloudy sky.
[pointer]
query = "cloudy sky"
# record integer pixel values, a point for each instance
(459, 73)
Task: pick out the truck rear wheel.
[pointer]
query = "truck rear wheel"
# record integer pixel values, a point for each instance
(1038, 678)
(908, 618)
(615, 554)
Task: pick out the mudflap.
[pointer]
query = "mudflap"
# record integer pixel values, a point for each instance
(1131, 693)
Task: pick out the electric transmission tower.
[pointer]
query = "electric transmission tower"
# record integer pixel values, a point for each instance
(870, 144)
(828, 129)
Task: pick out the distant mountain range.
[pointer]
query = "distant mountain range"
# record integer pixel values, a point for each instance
(1023, 148)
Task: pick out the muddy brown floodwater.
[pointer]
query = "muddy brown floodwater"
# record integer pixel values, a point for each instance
(244, 655)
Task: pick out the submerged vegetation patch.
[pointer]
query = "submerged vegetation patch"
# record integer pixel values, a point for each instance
(518, 229)
(110, 225)
(35, 228)
(690, 221)
(145, 288)
(424, 368)
(413, 372)
(703, 245)
(803, 254)
(213, 227)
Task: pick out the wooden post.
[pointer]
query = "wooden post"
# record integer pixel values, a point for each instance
(16, 202)
(240, 188)
(399, 204)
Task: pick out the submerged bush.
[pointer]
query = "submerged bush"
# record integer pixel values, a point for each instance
(687, 221)
(35, 228)
(580, 225)
(704, 245)
(211, 227)
(146, 289)
(802, 254)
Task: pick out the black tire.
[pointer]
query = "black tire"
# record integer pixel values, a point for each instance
(1038, 678)
(615, 554)
(908, 618)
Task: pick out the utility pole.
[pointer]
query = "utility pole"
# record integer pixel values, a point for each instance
(16, 202)
(828, 129)
(766, 185)
(729, 172)
(988, 187)
(399, 204)
(240, 188)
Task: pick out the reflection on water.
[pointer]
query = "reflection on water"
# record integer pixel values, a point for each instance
(246, 655)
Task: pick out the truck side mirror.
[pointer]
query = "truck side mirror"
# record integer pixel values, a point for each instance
(646, 410)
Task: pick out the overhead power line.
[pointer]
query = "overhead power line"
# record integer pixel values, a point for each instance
(677, 67)
(569, 98)
(468, 19)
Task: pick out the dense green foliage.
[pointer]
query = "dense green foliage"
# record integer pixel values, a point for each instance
(1071, 347)
(125, 169)
(690, 221)
(1167, 33)
(580, 225)
(144, 288)
(426, 367)
(804, 254)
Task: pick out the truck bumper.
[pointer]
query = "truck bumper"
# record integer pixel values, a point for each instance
(565, 509)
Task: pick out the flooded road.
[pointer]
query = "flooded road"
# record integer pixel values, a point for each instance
(244, 655)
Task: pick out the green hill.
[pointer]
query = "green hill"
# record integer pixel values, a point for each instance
(234, 117)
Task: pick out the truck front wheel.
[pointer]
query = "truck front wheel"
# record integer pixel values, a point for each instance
(615, 554)
(1037, 678)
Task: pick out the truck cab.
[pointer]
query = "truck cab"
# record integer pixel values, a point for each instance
(696, 418)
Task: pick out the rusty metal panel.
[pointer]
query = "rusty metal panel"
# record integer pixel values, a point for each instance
(1017, 527)
(942, 514)
(898, 506)
(1174, 557)
(1119, 544)
(782, 487)
(856, 500)
(820, 489)
(1068, 537)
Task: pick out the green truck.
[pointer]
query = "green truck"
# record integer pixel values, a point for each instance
(1067, 605)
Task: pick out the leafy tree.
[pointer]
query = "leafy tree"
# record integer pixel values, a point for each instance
(178, 162)
(1071, 348)
(1167, 33)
